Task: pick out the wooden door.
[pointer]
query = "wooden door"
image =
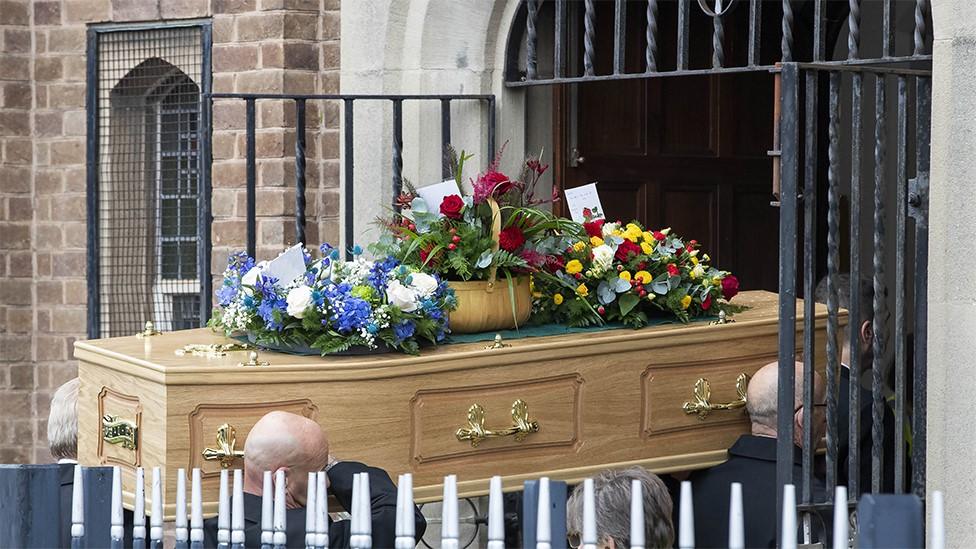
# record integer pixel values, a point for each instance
(684, 152)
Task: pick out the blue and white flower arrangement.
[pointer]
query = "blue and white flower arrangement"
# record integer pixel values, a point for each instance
(330, 305)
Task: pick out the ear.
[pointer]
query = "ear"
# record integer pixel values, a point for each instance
(866, 332)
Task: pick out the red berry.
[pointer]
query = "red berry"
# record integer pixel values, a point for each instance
(601, 310)
(452, 246)
(412, 227)
(455, 239)
(579, 276)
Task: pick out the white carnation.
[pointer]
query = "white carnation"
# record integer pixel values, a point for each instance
(602, 258)
(401, 297)
(608, 228)
(299, 300)
(423, 284)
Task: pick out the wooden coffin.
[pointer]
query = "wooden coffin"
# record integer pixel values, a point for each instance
(584, 402)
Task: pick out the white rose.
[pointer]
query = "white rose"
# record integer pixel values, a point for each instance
(423, 284)
(602, 258)
(299, 299)
(401, 297)
(608, 228)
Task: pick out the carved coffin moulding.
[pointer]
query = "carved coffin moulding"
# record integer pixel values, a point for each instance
(518, 416)
(217, 431)
(120, 429)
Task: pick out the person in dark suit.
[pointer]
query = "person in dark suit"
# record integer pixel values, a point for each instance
(752, 462)
(62, 438)
(281, 440)
(865, 417)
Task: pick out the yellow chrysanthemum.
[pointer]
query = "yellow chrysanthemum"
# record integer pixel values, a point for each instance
(717, 281)
(574, 267)
(625, 275)
(633, 232)
(557, 299)
(643, 277)
(685, 301)
(596, 241)
(582, 290)
(648, 249)
(579, 246)
(648, 237)
(694, 260)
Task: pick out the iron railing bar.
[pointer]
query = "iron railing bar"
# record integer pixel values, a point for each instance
(901, 212)
(755, 31)
(530, 39)
(397, 149)
(650, 54)
(786, 43)
(589, 32)
(818, 33)
(921, 8)
(854, 310)
(445, 138)
(204, 183)
(870, 66)
(250, 174)
(853, 29)
(718, 37)
(559, 61)
(810, 278)
(683, 31)
(620, 35)
(348, 188)
(491, 127)
(300, 171)
(888, 30)
(878, 264)
(789, 144)
(833, 261)
(358, 97)
(93, 276)
(923, 120)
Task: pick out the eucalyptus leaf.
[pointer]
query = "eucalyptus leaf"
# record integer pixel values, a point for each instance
(627, 303)
(621, 286)
(605, 292)
(673, 282)
(484, 260)
(419, 205)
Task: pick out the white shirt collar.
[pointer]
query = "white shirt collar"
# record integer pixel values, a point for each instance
(67, 460)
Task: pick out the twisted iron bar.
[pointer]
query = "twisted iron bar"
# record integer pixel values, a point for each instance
(854, 28)
(530, 53)
(718, 37)
(878, 323)
(589, 23)
(833, 245)
(651, 52)
(397, 149)
(921, 7)
(787, 42)
(300, 163)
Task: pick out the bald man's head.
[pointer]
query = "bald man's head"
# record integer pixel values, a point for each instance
(282, 440)
(761, 398)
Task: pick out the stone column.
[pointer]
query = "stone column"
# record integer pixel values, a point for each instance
(952, 263)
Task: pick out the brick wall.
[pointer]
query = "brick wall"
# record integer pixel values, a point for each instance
(259, 45)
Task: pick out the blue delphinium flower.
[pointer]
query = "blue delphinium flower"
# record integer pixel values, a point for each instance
(404, 330)
(271, 301)
(240, 262)
(351, 314)
(228, 291)
(325, 248)
(379, 275)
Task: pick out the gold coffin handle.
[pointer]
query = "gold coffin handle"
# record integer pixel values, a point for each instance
(225, 452)
(119, 431)
(701, 404)
(476, 431)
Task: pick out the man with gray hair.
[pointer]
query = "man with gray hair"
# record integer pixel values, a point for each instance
(611, 494)
(752, 462)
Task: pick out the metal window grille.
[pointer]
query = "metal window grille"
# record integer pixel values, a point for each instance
(148, 225)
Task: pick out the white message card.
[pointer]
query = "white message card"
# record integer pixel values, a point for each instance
(580, 200)
(434, 194)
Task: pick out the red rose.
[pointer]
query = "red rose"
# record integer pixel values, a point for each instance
(707, 304)
(658, 235)
(626, 249)
(451, 206)
(511, 239)
(673, 269)
(730, 287)
(594, 228)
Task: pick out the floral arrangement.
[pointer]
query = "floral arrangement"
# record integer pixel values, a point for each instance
(623, 273)
(331, 305)
(455, 239)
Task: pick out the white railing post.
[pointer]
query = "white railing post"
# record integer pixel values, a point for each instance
(450, 531)
(78, 509)
(139, 513)
(737, 529)
(321, 511)
(280, 538)
(117, 531)
(637, 537)
(588, 535)
(237, 512)
(310, 500)
(543, 524)
(841, 519)
(789, 518)
(405, 528)
(496, 514)
(196, 511)
(223, 512)
(182, 531)
(267, 512)
(156, 520)
(938, 521)
(686, 518)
